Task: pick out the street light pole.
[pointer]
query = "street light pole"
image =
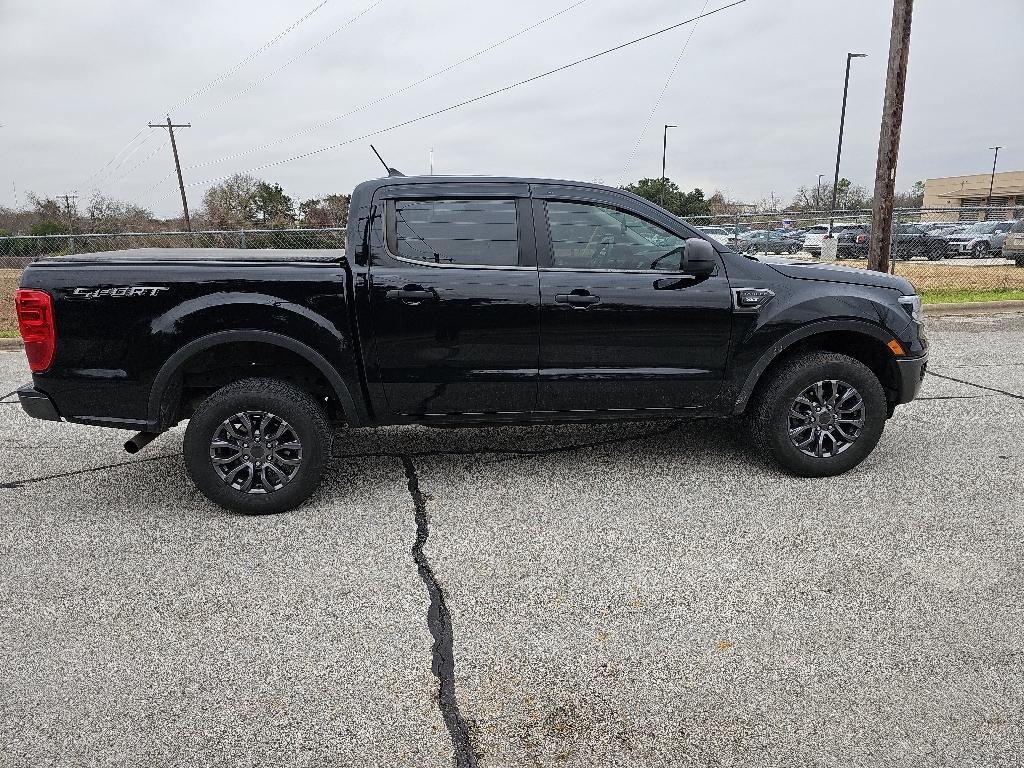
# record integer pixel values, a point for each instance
(991, 180)
(839, 150)
(664, 153)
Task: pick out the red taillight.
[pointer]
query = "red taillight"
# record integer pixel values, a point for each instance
(35, 320)
(861, 239)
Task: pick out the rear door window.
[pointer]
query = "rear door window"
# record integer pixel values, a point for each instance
(447, 232)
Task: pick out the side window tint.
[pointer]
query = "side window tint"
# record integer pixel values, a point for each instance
(470, 232)
(591, 236)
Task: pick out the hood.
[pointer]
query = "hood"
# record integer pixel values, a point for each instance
(813, 270)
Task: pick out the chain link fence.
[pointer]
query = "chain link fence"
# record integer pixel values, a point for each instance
(949, 254)
(940, 250)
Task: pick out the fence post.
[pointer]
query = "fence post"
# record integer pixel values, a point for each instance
(241, 238)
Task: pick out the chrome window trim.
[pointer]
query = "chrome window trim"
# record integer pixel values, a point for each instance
(660, 272)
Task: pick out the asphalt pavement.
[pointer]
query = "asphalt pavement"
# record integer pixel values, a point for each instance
(639, 594)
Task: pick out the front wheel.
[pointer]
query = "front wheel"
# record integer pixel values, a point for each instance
(979, 251)
(819, 414)
(258, 446)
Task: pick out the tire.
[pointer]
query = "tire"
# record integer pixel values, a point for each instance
(268, 403)
(1019, 261)
(979, 251)
(934, 253)
(752, 249)
(770, 414)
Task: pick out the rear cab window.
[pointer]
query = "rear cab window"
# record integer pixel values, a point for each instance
(454, 232)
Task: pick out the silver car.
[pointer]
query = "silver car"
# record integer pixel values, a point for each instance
(979, 240)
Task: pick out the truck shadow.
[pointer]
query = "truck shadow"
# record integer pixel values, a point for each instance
(706, 440)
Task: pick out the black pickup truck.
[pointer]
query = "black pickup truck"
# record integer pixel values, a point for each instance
(465, 301)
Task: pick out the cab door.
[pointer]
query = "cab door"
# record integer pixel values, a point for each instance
(454, 300)
(623, 327)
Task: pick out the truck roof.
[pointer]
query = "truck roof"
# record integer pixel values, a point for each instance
(369, 186)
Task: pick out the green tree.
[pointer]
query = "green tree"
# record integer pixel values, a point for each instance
(329, 211)
(50, 227)
(666, 193)
(911, 198)
(232, 203)
(273, 208)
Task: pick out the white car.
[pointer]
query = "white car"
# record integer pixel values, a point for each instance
(815, 234)
(720, 234)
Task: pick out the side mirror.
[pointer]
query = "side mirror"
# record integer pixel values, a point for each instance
(699, 257)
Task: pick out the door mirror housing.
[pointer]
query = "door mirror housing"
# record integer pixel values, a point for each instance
(699, 257)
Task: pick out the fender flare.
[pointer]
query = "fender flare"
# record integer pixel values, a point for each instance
(164, 380)
(781, 346)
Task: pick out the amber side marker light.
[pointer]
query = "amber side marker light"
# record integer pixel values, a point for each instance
(896, 348)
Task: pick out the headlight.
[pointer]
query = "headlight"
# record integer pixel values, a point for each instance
(912, 306)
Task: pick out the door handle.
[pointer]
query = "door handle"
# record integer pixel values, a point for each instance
(410, 294)
(578, 299)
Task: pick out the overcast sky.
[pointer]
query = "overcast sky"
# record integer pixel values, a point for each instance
(756, 95)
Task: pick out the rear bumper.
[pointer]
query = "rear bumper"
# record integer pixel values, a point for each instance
(36, 404)
(911, 375)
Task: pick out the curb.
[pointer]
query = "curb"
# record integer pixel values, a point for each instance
(10, 345)
(974, 308)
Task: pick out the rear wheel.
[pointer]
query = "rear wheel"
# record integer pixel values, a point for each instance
(819, 414)
(258, 446)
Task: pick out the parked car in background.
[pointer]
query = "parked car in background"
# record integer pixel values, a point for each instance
(720, 234)
(940, 227)
(813, 236)
(908, 242)
(998, 239)
(978, 240)
(851, 240)
(763, 241)
(1013, 248)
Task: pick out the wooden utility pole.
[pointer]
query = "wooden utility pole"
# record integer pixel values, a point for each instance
(68, 199)
(177, 164)
(889, 137)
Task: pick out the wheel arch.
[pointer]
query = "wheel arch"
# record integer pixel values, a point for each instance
(165, 392)
(857, 339)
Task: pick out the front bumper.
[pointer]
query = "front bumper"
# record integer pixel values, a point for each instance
(911, 375)
(36, 404)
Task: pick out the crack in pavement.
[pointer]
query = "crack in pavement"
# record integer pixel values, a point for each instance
(979, 386)
(56, 476)
(439, 622)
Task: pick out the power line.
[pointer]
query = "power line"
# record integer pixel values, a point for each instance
(204, 89)
(376, 101)
(99, 172)
(273, 73)
(477, 98)
(661, 96)
(266, 46)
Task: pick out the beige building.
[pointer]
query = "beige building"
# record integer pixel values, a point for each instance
(972, 192)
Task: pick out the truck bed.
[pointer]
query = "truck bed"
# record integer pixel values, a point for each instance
(200, 255)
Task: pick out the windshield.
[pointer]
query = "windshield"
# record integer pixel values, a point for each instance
(981, 228)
